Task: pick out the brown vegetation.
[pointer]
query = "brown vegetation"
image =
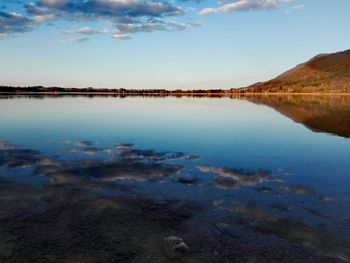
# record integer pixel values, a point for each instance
(325, 73)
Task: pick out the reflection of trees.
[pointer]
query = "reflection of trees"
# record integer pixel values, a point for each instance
(322, 113)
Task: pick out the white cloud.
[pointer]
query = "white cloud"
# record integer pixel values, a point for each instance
(120, 36)
(196, 24)
(126, 17)
(155, 24)
(294, 8)
(85, 31)
(43, 18)
(76, 40)
(245, 5)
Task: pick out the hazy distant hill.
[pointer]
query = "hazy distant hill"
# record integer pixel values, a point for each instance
(323, 73)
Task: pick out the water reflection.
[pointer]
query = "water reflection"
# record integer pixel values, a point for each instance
(18, 158)
(234, 178)
(113, 189)
(320, 113)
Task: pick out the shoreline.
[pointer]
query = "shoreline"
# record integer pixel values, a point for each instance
(174, 94)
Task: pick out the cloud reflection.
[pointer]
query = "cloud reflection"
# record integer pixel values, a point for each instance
(89, 150)
(230, 178)
(19, 158)
(124, 163)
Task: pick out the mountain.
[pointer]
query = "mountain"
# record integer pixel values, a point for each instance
(324, 73)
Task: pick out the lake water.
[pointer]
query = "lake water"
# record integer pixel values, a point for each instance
(106, 179)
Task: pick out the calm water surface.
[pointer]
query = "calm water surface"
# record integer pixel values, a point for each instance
(105, 179)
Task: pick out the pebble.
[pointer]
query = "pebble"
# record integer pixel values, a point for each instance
(174, 247)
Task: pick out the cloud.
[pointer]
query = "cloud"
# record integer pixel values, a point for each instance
(120, 36)
(294, 8)
(76, 40)
(85, 31)
(111, 9)
(14, 23)
(43, 18)
(196, 24)
(152, 25)
(125, 16)
(245, 5)
(54, 3)
(34, 9)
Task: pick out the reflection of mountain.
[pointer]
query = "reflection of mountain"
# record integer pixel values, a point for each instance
(323, 73)
(325, 113)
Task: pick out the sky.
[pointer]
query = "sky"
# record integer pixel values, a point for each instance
(164, 44)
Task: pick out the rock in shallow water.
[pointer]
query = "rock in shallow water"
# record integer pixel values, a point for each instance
(174, 247)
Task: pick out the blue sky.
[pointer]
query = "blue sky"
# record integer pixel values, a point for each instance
(164, 43)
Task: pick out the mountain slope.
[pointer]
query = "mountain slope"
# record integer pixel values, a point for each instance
(323, 73)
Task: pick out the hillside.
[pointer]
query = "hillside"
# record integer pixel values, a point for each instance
(323, 73)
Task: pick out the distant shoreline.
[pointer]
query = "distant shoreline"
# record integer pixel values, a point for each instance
(168, 93)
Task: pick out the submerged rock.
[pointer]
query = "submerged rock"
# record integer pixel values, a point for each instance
(174, 247)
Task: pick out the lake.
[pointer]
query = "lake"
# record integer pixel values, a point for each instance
(238, 179)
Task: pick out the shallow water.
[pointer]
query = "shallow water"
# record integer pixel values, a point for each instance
(106, 179)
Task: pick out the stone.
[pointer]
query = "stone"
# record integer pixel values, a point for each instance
(174, 247)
